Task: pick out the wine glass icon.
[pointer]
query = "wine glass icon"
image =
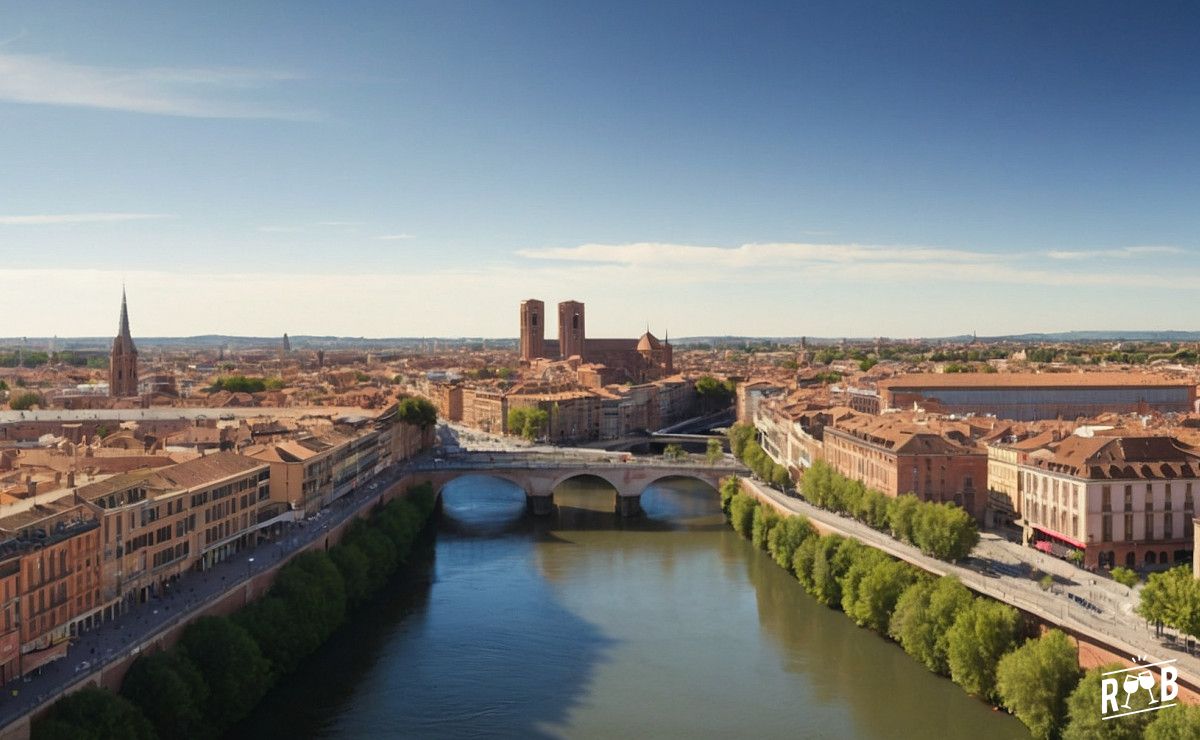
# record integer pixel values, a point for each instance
(1130, 685)
(1146, 681)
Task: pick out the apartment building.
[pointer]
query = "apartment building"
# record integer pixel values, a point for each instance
(1121, 500)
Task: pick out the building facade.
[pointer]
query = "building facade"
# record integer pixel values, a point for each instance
(1126, 501)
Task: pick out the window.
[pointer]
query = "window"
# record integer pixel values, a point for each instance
(1187, 497)
(1149, 526)
(1106, 499)
(1106, 529)
(1128, 498)
(1168, 526)
(1129, 527)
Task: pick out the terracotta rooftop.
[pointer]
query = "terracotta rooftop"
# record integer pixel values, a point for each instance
(1030, 380)
(1121, 458)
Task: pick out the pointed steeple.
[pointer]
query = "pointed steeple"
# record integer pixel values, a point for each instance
(123, 331)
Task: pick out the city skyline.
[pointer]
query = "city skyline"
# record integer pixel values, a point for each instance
(767, 171)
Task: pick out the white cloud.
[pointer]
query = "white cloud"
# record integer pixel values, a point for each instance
(395, 237)
(1121, 253)
(42, 219)
(831, 263)
(196, 93)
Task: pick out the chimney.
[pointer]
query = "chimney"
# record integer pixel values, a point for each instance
(57, 478)
(70, 479)
(31, 487)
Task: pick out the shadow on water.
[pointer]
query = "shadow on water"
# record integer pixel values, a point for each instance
(826, 647)
(468, 640)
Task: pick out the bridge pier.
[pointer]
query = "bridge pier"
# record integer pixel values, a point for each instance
(539, 505)
(628, 506)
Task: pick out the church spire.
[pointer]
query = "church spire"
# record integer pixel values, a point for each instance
(123, 331)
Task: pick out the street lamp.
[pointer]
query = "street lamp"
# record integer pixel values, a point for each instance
(249, 566)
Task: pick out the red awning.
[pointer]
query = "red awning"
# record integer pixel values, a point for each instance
(1062, 537)
(39, 658)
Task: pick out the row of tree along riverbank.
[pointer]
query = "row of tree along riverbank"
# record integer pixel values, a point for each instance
(981, 644)
(222, 666)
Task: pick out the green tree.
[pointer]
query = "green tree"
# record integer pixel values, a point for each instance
(1124, 576)
(170, 692)
(274, 384)
(730, 487)
(419, 412)
(93, 713)
(713, 452)
(980, 635)
(741, 513)
(830, 564)
(674, 452)
(922, 617)
(26, 401)
(232, 665)
(283, 636)
(1085, 721)
(785, 537)
(528, 422)
(740, 435)
(1177, 723)
(945, 531)
(872, 600)
(1172, 598)
(1035, 680)
(765, 520)
(355, 568)
(714, 394)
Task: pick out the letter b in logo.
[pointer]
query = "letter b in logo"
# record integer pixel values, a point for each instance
(1169, 689)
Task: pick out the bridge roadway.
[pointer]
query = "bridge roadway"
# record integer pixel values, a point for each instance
(539, 473)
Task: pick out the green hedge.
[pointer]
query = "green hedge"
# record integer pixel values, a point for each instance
(223, 666)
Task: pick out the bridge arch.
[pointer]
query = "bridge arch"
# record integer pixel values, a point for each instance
(709, 480)
(446, 480)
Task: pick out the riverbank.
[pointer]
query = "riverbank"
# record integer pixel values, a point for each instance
(220, 666)
(979, 642)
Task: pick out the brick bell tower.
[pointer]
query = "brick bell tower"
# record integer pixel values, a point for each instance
(570, 329)
(533, 329)
(122, 362)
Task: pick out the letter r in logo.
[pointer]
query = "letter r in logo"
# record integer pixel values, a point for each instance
(1108, 693)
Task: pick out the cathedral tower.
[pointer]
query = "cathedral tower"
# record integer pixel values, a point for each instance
(570, 329)
(122, 362)
(533, 329)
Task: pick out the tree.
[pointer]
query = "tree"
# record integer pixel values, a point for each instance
(765, 520)
(902, 516)
(170, 692)
(419, 412)
(785, 537)
(232, 665)
(713, 452)
(527, 421)
(714, 394)
(922, 617)
(945, 531)
(1172, 598)
(1084, 719)
(26, 400)
(1035, 680)
(980, 635)
(354, 568)
(741, 513)
(830, 564)
(730, 487)
(1124, 576)
(674, 452)
(283, 637)
(93, 713)
(740, 435)
(873, 600)
(1178, 723)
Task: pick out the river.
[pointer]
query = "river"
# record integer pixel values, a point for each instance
(584, 625)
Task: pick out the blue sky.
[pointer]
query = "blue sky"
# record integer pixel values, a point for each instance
(387, 169)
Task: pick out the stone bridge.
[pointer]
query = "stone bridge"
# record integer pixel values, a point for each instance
(539, 474)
